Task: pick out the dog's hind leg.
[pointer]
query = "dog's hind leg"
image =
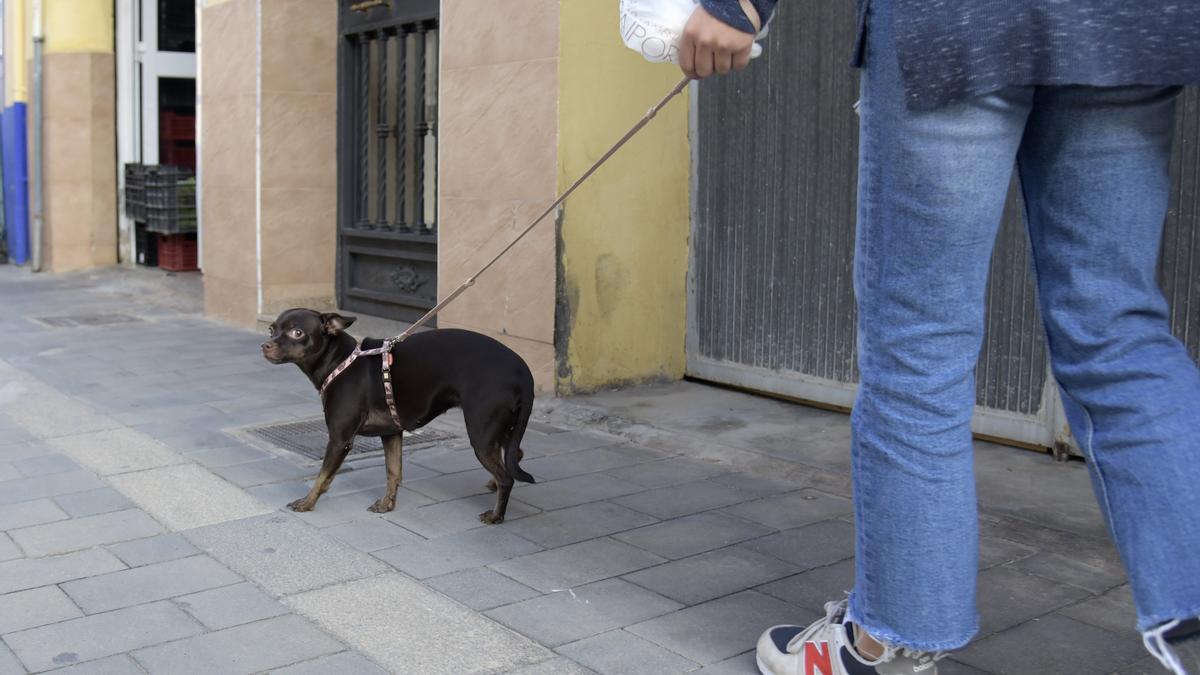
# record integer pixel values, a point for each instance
(393, 450)
(486, 435)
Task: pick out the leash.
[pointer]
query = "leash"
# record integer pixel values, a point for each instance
(558, 202)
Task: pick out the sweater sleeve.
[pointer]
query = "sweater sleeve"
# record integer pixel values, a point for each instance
(730, 12)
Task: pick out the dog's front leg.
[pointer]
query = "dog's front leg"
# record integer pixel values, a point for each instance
(335, 453)
(393, 450)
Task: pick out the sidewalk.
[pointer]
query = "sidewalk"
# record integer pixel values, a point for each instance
(143, 528)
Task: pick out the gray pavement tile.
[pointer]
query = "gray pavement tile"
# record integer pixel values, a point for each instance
(570, 441)
(65, 536)
(952, 667)
(358, 475)
(618, 652)
(26, 489)
(282, 554)
(230, 606)
(93, 502)
(100, 635)
(372, 534)
(20, 447)
(119, 664)
(193, 441)
(10, 472)
(369, 614)
(810, 546)
(1146, 666)
(9, 665)
(793, 509)
(812, 589)
(680, 500)
(35, 607)
(1092, 574)
(711, 575)
(344, 663)
(454, 552)
(25, 573)
(693, 534)
(1114, 611)
(1052, 644)
(581, 462)
(754, 486)
(117, 451)
(187, 496)
(156, 549)
(1008, 597)
(552, 529)
(559, 494)
(444, 460)
(481, 588)
(249, 648)
(994, 551)
(45, 465)
(457, 515)
(272, 470)
(1089, 562)
(231, 456)
(742, 664)
(346, 508)
(452, 486)
(719, 629)
(148, 583)
(555, 666)
(577, 613)
(577, 564)
(9, 550)
(668, 472)
(26, 514)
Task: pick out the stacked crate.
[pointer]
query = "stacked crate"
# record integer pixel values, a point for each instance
(162, 203)
(177, 139)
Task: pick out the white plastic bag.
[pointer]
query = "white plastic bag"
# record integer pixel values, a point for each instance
(653, 28)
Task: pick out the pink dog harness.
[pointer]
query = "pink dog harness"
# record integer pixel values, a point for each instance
(385, 363)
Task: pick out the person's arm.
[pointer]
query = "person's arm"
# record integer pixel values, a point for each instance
(718, 37)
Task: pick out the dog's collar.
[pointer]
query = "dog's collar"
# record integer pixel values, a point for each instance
(383, 350)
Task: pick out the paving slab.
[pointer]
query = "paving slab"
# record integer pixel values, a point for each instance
(1079, 648)
(27, 489)
(683, 499)
(473, 548)
(26, 514)
(619, 652)
(93, 502)
(282, 554)
(25, 573)
(810, 546)
(79, 533)
(577, 564)
(9, 664)
(1008, 597)
(689, 535)
(1113, 611)
(100, 635)
(160, 548)
(230, 606)
(8, 549)
(238, 454)
(119, 664)
(369, 614)
(481, 588)
(117, 451)
(372, 534)
(582, 462)
(711, 575)
(261, 472)
(187, 496)
(148, 583)
(343, 663)
(9, 472)
(556, 666)
(249, 648)
(43, 465)
(793, 509)
(812, 589)
(576, 613)
(552, 529)
(719, 629)
(35, 607)
(559, 494)
(668, 472)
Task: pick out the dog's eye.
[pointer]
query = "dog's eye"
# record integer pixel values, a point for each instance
(296, 334)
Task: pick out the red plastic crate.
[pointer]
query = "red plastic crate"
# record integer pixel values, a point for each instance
(175, 127)
(179, 154)
(177, 252)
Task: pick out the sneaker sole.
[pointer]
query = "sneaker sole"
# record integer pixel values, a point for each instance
(762, 667)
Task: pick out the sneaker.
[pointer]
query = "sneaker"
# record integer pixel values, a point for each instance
(1176, 645)
(826, 648)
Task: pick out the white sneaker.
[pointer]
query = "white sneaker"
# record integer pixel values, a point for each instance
(825, 648)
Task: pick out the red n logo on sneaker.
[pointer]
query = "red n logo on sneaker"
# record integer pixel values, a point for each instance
(815, 656)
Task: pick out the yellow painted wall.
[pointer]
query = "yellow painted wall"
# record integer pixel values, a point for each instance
(16, 52)
(78, 26)
(622, 304)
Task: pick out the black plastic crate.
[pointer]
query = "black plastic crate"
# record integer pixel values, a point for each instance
(170, 219)
(135, 202)
(147, 246)
(135, 175)
(170, 204)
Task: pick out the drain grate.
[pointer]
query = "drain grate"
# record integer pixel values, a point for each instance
(78, 320)
(308, 437)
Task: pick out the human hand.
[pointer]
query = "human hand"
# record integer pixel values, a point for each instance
(710, 45)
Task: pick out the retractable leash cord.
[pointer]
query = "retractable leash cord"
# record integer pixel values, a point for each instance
(558, 202)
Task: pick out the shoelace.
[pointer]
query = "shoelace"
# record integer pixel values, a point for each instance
(1156, 643)
(835, 610)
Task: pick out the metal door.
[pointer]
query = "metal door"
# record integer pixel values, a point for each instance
(771, 300)
(387, 157)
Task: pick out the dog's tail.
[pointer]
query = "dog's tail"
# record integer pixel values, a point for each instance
(513, 452)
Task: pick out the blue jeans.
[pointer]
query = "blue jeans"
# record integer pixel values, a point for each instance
(1093, 165)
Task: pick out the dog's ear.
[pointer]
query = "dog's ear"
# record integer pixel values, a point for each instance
(332, 324)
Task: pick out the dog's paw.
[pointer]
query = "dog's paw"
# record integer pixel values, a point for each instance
(301, 505)
(490, 518)
(382, 506)
(491, 485)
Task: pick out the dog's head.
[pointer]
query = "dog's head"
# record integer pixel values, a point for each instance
(300, 334)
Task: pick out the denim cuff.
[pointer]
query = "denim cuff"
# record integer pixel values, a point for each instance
(730, 12)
